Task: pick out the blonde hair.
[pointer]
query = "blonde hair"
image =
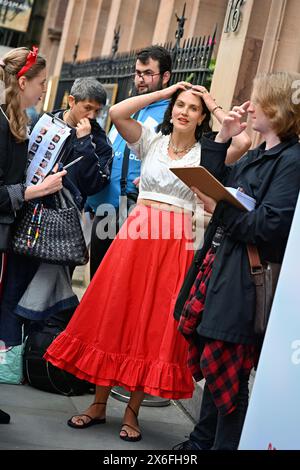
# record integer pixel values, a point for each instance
(11, 64)
(275, 93)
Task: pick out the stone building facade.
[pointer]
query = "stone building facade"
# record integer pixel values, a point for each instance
(252, 36)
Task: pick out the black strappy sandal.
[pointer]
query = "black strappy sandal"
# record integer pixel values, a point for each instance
(91, 422)
(133, 438)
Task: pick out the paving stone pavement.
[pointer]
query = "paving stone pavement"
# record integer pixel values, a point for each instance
(38, 421)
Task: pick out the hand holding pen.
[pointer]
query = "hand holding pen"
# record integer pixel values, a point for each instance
(53, 182)
(50, 185)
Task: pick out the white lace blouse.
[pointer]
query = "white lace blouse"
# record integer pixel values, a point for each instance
(157, 182)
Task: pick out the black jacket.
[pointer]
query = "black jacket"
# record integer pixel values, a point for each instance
(272, 177)
(13, 159)
(92, 173)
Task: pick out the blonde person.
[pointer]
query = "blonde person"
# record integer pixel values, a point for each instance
(123, 332)
(23, 73)
(216, 306)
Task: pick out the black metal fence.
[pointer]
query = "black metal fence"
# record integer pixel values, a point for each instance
(191, 61)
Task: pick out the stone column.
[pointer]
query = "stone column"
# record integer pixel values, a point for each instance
(163, 22)
(88, 29)
(288, 37)
(190, 29)
(100, 27)
(272, 36)
(53, 81)
(229, 59)
(129, 16)
(238, 56)
(111, 26)
(75, 31)
(142, 33)
(52, 32)
(205, 16)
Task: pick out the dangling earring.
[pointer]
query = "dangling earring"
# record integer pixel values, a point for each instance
(171, 121)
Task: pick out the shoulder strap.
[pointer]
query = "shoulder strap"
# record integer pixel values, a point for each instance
(125, 164)
(4, 114)
(254, 259)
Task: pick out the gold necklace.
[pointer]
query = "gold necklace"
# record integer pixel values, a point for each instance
(177, 150)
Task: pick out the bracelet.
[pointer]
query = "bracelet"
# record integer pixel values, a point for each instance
(215, 108)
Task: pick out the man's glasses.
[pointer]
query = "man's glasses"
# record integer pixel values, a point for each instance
(145, 75)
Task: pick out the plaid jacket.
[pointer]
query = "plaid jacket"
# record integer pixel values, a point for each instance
(222, 364)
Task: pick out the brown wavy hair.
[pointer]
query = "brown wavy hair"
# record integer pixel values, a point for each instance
(276, 93)
(166, 127)
(13, 61)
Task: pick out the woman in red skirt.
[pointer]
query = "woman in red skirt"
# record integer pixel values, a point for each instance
(123, 332)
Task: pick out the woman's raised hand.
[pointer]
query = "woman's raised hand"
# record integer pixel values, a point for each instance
(166, 93)
(232, 124)
(200, 90)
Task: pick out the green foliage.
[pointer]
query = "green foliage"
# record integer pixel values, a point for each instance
(207, 83)
(212, 66)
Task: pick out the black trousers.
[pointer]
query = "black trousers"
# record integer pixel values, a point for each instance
(99, 246)
(103, 234)
(220, 432)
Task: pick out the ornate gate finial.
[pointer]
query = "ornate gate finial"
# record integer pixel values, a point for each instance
(180, 29)
(115, 45)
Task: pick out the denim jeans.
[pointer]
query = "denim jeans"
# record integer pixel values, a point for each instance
(220, 432)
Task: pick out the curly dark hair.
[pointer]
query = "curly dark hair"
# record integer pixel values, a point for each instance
(166, 127)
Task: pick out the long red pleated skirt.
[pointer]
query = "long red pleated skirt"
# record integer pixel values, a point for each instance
(123, 332)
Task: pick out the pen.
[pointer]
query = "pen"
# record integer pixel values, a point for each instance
(72, 163)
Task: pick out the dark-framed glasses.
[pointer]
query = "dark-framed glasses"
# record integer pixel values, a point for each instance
(147, 75)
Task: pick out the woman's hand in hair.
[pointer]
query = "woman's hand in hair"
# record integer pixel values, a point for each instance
(232, 124)
(201, 91)
(167, 93)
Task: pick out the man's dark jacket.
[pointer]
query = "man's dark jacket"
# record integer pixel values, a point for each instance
(92, 173)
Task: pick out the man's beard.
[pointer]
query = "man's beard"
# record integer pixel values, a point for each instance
(149, 88)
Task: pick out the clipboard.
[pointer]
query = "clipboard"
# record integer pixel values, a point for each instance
(201, 178)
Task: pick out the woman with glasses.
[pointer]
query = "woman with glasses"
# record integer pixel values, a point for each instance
(123, 333)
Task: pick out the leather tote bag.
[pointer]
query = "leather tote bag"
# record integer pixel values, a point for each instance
(52, 233)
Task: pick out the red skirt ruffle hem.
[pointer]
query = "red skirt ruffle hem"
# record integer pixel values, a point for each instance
(123, 332)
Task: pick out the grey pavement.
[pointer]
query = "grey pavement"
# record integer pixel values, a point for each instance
(38, 422)
(38, 419)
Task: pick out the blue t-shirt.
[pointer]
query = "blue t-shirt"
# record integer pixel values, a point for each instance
(152, 115)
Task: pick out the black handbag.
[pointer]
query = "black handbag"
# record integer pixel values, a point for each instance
(6, 223)
(5, 237)
(51, 234)
(42, 374)
(265, 277)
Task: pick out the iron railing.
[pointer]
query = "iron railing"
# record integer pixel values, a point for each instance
(191, 62)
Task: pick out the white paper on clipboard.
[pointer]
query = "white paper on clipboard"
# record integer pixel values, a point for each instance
(46, 141)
